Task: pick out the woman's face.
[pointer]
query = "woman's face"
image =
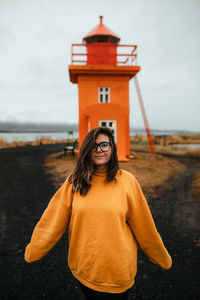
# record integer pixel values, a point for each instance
(100, 158)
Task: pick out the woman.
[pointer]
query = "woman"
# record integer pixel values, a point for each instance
(106, 213)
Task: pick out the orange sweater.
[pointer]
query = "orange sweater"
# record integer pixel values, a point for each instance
(103, 228)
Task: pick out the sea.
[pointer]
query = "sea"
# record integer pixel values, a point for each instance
(33, 136)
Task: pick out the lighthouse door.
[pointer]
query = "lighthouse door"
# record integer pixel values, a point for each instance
(112, 125)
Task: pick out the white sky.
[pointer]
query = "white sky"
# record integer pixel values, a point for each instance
(35, 51)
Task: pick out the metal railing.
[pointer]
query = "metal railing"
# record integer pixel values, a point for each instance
(79, 55)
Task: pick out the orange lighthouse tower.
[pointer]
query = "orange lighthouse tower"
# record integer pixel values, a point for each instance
(102, 71)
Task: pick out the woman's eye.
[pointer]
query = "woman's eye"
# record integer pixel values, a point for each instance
(105, 145)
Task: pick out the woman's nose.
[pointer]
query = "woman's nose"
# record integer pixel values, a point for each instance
(98, 149)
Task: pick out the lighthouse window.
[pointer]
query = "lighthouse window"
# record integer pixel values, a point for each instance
(104, 94)
(102, 38)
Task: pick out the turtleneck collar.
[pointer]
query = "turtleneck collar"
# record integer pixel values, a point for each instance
(99, 173)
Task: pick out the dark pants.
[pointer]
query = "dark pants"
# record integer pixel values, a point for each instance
(94, 295)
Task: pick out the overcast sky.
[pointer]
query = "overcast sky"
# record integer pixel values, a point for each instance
(35, 51)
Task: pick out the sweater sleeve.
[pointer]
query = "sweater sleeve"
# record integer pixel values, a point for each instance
(52, 224)
(142, 225)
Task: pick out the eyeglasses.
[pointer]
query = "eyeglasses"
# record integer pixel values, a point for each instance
(104, 146)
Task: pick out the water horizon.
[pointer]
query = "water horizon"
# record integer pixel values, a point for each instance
(32, 136)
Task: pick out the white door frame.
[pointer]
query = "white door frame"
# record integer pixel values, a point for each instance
(113, 127)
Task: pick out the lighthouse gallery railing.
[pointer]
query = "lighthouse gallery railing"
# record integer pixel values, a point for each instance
(123, 59)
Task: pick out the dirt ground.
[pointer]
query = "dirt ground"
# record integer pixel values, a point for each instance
(26, 188)
(154, 173)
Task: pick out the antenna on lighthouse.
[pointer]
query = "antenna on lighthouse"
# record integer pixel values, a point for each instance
(101, 20)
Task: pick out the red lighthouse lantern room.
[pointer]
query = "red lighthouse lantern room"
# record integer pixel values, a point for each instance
(101, 46)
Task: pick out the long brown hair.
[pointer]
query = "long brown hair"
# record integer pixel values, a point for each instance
(81, 178)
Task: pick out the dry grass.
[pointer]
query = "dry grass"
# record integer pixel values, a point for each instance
(178, 151)
(184, 138)
(4, 144)
(195, 186)
(153, 173)
(37, 142)
(169, 144)
(59, 166)
(162, 144)
(179, 138)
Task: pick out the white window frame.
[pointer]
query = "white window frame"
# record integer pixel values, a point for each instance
(104, 94)
(110, 127)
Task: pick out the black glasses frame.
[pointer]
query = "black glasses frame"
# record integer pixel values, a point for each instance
(95, 147)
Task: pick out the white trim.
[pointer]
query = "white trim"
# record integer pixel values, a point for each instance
(113, 127)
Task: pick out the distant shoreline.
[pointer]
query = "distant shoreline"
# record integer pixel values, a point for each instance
(35, 131)
(67, 131)
(41, 127)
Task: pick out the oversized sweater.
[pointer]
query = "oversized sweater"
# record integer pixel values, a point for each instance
(104, 226)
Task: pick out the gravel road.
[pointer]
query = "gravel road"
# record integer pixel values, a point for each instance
(25, 190)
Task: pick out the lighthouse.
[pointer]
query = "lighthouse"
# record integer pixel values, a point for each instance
(102, 68)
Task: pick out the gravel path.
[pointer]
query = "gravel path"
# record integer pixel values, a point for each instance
(25, 192)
